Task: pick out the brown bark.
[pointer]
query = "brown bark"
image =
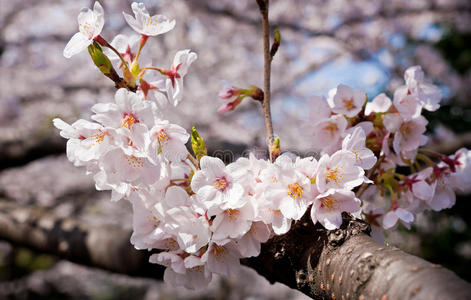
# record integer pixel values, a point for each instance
(339, 264)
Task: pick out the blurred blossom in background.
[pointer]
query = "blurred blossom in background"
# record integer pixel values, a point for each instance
(364, 44)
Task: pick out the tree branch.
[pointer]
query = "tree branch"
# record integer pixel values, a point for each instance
(264, 5)
(338, 264)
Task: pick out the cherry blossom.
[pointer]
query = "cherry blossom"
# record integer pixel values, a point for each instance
(145, 24)
(346, 101)
(215, 187)
(90, 25)
(328, 207)
(174, 83)
(338, 172)
(355, 143)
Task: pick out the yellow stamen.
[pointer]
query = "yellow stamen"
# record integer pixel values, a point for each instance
(162, 136)
(334, 175)
(330, 203)
(233, 214)
(135, 162)
(295, 191)
(348, 103)
(221, 184)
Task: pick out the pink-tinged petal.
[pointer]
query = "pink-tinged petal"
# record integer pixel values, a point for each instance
(212, 165)
(77, 43)
(176, 196)
(389, 220)
(405, 215)
(331, 220)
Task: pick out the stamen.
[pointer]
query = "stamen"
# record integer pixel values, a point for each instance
(334, 175)
(295, 191)
(221, 184)
(129, 120)
(233, 214)
(330, 203)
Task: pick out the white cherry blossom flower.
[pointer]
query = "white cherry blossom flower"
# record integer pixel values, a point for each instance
(407, 104)
(222, 258)
(190, 228)
(355, 143)
(347, 101)
(399, 214)
(418, 185)
(408, 134)
(444, 196)
(90, 25)
(168, 139)
(250, 244)
(379, 104)
(429, 95)
(327, 132)
(233, 222)
(215, 187)
(338, 172)
(461, 178)
(148, 230)
(145, 24)
(328, 207)
(87, 141)
(127, 110)
(174, 83)
(290, 192)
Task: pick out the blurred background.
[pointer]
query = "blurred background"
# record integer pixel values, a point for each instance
(363, 43)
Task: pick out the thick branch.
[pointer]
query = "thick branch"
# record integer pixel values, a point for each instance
(339, 264)
(105, 247)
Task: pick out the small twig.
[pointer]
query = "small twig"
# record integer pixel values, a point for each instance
(370, 172)
(263, 5)
(194, 161)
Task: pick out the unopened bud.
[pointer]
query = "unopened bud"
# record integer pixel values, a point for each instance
(255, 93)
(99, 59)
(276, 43)
(275, 148)
(198, 145)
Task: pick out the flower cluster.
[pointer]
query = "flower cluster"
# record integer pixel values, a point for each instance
(204, 216)
(393, 131)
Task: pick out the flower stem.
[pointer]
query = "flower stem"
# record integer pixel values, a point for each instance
(194, 161)
(105, 43)
(141, 45)
(263, 5)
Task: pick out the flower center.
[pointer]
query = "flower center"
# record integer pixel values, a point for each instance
(348, 103)
(87, 29)
(406, 129)
(135, 162)
(330, 203)
(149, 22)
(357, 155)
(332, 127)
(221, 184)
(295, 191)
(233, 214)
(98, 137)
(218, 251)
(334, 175)
(162, 136)
(129, 120)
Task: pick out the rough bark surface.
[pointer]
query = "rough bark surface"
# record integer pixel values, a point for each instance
(339, 264)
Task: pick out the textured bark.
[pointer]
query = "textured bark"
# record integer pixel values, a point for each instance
(348, 264)
(339, 264)
(105, 247)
